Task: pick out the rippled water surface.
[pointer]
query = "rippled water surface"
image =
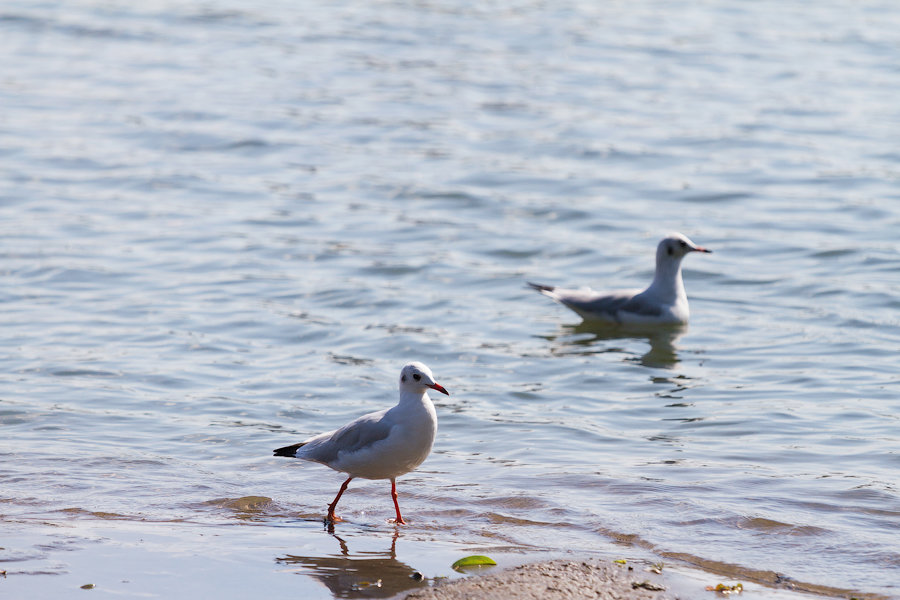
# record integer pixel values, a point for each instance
(225, 227)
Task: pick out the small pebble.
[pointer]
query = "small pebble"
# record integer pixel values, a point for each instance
(647, 586)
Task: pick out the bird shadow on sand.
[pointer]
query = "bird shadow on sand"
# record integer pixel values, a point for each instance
(360, 575)
(590, 337)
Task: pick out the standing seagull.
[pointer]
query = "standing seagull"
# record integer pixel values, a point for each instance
(663, 302)
(379, 445)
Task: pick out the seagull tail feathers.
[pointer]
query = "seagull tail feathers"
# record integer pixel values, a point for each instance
(542, 288)
(288, 451)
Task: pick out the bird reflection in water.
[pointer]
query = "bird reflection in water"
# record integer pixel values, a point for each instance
(365, 575)
(587, 335)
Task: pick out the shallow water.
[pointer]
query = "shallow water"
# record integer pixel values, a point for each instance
(226, 228)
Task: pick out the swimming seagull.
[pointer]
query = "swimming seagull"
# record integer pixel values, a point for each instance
(663, 302)
(379, 445)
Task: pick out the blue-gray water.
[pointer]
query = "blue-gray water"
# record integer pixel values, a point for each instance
(226, 226)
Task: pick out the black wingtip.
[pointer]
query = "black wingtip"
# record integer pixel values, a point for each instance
(541, 288)
(288, 451)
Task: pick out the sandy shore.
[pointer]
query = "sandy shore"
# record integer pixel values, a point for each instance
(555, 580)
(605, 579)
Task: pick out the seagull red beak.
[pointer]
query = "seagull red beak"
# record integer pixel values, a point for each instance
(439, 388)
(702, 249)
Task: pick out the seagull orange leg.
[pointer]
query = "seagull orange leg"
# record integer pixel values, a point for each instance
(331, 516)
(399, 520)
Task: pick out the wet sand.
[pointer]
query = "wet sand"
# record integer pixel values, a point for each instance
(555, 580)
(593, 578)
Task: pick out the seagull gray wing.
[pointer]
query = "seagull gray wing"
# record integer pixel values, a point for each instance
(639, 305)
(591, 304)
(352, 437)
(603, 305)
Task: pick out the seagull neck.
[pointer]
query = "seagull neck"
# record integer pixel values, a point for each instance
(667, 283)
(413, 397)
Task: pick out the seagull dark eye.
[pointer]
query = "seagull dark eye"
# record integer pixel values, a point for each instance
(417, 377)
(671, 252)
(403, 378)
(683, 244)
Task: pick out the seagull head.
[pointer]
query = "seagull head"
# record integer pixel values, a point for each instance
(675, 246)
(416, 377)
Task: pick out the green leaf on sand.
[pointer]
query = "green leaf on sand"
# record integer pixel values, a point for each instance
(726, 589)
(473, 561)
